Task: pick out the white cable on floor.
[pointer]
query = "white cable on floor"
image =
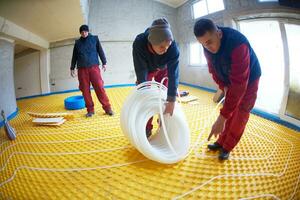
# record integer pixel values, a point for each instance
(171, 143)
(59, 154)
(270, 154)
(247, 175)
(21, 135)
(260, 196)
(196, 143)
(58, 141)
(129, 163)
(67, 169)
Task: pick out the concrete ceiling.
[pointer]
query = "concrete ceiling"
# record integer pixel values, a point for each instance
(52, 20)
(173, 3)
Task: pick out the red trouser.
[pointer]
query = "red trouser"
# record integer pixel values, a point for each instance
(86, 76)
(235, 125)
(158, 75)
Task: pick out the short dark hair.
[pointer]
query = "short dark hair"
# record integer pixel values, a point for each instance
(202, 26)
(83, 27)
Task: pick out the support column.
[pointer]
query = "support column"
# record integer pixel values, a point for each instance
(7, 88)
(45, 70)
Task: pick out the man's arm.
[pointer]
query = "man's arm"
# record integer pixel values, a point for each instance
(173, 78)
(239, 76)
(74, 57)
(140, 64)
(100, 51)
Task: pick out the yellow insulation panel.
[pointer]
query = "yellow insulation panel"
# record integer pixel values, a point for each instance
(89, 158)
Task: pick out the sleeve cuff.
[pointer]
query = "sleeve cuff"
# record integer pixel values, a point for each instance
(224, 114)
(171, 98)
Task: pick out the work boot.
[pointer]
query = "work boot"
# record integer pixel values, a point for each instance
(224, 155)
(214, 147)
(90, 114)
(109, 112)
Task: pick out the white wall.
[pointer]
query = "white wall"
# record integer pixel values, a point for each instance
(116, 22)
(120, 64)
(117, 54)
(27, 74)
(85, 7)
(60, 62)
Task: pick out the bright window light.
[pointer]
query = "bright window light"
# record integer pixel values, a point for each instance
(200, 9)
(215, 5)
(265, 38)
(293, 106)
(268, 0)
(205, 7)
(197, 55)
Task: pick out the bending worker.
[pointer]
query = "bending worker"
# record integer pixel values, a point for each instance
(155, 55)
(236, 70)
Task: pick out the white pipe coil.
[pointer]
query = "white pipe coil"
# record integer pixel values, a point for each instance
(146, 100)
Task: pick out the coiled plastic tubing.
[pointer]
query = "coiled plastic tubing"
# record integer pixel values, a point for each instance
(172, 141)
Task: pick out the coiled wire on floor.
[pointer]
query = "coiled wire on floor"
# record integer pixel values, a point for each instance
(172, 141)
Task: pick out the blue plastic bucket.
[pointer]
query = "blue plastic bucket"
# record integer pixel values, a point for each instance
(74, 102)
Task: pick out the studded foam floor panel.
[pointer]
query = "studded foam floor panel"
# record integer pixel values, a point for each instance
(89, 158)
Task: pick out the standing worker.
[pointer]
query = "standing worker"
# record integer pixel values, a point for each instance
(155, 55)
(85, 56)
(236, 70)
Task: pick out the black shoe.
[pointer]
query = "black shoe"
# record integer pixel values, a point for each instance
(214, 147)
(109, 112)
(89, 114)
(148, 133)
(224, 155)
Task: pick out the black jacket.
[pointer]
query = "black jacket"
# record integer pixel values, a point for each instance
(86, 51)
(145, 62)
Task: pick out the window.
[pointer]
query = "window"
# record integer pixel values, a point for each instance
(197, 57)
(293, 106)
(205, 7)
(265, 38)
(268, 0)
(276, 44)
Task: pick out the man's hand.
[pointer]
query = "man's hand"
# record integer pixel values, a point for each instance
(73, 73)
(225, 90)
(218, 127)
(169, 108)
(104, 67)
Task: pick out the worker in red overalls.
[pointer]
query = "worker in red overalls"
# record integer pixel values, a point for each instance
(236, 70)
(85, 56)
